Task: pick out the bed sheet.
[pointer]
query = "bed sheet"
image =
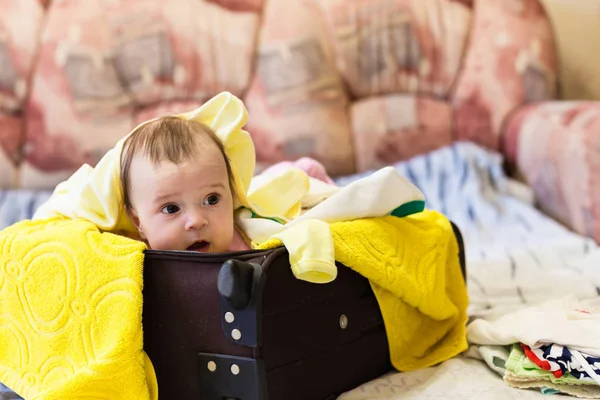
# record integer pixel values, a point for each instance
(460, 378)
(17, 205)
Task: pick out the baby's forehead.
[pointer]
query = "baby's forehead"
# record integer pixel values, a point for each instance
(150, 179)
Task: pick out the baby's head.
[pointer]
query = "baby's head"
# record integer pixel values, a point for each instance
(177, 186)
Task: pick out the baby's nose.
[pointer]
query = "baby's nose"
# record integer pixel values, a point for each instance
(195, 220)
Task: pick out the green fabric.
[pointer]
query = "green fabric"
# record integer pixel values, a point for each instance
(520, 365)
(254, 215)
(408, 208)
(547, 390)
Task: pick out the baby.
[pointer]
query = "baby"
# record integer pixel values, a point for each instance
(178, 187)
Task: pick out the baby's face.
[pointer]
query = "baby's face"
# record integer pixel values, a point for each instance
(183, 207)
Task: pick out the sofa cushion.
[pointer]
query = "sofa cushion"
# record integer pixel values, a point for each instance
(297, 103)
(555, 147)
(510, 61)
(20, 23)
(389, 129)
(398, 46)
(101, 64)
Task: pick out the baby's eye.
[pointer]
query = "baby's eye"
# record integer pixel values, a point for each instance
(170, 209)
(212, 200)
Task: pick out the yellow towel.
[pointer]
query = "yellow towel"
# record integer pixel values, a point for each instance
(413, 267)
(71, 313)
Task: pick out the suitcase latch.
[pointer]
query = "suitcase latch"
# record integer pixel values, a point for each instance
(228, 377)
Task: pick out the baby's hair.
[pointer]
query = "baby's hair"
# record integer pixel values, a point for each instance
(167, 139)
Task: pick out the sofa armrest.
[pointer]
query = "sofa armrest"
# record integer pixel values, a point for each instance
(555, 148)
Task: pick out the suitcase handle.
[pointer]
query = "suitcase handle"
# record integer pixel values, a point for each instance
(235, 283)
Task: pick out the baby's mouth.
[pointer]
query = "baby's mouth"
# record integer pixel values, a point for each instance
(199, 246)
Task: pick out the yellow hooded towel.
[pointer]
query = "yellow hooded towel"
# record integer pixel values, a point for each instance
(376, 226)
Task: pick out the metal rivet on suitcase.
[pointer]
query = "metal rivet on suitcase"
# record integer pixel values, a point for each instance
(236, 334)
(235, 369)
(229, 317)
(212, 366)
(343, 321)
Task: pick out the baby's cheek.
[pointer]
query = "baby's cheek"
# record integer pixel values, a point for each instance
(160, 236)
(230, 233)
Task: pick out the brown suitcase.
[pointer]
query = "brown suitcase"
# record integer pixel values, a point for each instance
(240, 326)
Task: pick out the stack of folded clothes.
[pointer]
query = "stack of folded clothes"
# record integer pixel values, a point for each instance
(554, 347)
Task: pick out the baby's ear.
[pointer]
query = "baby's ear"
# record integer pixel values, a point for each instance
(133, 215)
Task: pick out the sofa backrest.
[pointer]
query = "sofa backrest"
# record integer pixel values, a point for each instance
(20, 26)
(357, 84)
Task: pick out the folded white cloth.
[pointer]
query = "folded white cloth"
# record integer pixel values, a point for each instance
(566, 321)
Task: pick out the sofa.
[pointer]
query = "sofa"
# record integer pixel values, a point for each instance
(468, 98)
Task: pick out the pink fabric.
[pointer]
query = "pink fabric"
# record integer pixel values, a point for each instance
(312, 167)
(10, 126)
(10, 130)
(510, 61)
(555, 146)
(20, 23)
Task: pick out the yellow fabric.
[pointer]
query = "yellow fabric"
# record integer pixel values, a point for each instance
(311, 251)
(412, 264)
(71, 313)
(280, 195)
